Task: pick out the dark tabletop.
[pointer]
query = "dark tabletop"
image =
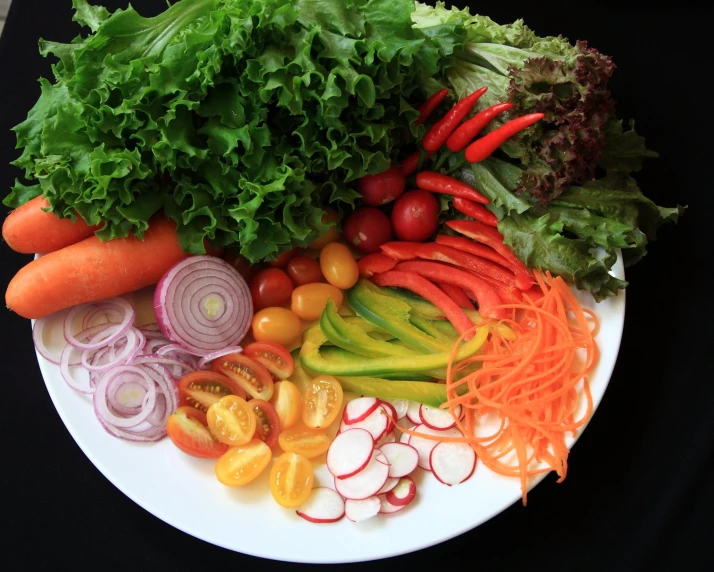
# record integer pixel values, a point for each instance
(640, 490)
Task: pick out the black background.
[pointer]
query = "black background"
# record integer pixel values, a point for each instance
(640, 490)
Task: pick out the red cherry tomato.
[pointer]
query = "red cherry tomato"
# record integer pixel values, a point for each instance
(271, 287)
(282, 260)
(367, 229)
(415, 216)
(382, 188)
(304, 270)
(274, 357)
(267, 427)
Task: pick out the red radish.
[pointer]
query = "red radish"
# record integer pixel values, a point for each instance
(367, 229)
(415, 216)
(382, 188)
(400, 406)
(323, 505)
(359, 510)
(388, 438)
(389, 508)
(424, 446)
(391, 414)
(377, 423)
(366, 483)
(350, 452)
(413, 412)
(403, 493)
(452, 463)
(403, 459)
(439, 419)
(358, 409)
(388, 486)
(380, 457)
(405, 437)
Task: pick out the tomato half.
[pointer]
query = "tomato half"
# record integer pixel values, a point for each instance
(322, 402)
(240, 465)
(305, 441)
(267, 427)
(291, 480)
(201, 389)
(270, 287)
(188, 430)
(247, 373)
(288, 403)
(231, 420)
(274, 357)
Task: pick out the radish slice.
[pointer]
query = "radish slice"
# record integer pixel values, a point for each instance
(391, 414)
(452, 463)
(377, 423)
(359, 510)
(366, 483)
(400, 406)
(388, 438)
(438, 418)
(405, 437)
(403, 458)
(388, 486)
(359, 409)
(323, 505)
(413, 412)
(424, 446)
(387, 507)
(350, 452)
(403, 493)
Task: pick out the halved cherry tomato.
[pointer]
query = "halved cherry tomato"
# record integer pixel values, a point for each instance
(188, 430)
(291, 480)
(309, 300)
(304, 270)
(323, 401)
(231, 420)
(274, 357)
(247, 373)
(240, 465)
(306, 441)
(277, 325)
(270, 287)
(288, 403)
(201, 389)
(267, 427)
(339, 266)
(331, 235)
(282, 260)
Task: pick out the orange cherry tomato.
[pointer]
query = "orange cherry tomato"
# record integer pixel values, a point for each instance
(201, 389)
(188, 430)
(246, 372)
(304, 270)
(240, 465)
(277, 325)
(332, 235)
(339, 266)
(305, 441)
(288, 403)
(291, 480)
(231, 420)
(322, 402)
(267, 427)
(309, 300)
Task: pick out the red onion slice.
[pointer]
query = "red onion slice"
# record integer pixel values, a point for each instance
(117, 330)
(126, 352)
(41, 327)
(204, 362)
(103, 408)
(67, 375)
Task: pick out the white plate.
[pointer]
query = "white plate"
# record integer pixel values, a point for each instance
(184, 492)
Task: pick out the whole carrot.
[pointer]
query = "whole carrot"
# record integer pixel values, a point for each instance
(438, 183)
(430, 105)
(410, 165)
(469, 129)
(476, 211)
(483, 148)
(29, 229)
(440, 131)
(92, 270)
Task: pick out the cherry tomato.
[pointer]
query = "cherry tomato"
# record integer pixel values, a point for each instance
(240, 465)
(288, 403)
(322, 402)
(273, 357)
(282, 260)
(277, 325)
(242, 265)
(305, 441)
(382, 188)
(339, 266)
(332, 234)
(304, 270)
(188, 430)
(247, 373)
(415, 216)
(201, 389)
(268, 424)
(270, 287)
(309, 300)
(367, 229)
(291, 480)
(231, 420)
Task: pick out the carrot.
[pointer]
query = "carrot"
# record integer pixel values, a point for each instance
(92, 270)
(29, 229)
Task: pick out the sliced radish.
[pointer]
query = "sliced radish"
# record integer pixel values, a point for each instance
(388, 438)
(388, 486)
(424, 445)
(377, 423)
(359, 510)
(389, 508)
(413, 412)
(400, 406)
(323, 505)
(403, 493)
(403, 458)
(391, 414)
(350, 452)
(358, 409)
(380, 457)
(452, 463)
(404, 437)
(365, 483)
(438, 418)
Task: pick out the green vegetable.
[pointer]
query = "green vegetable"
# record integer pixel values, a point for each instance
(433, 394)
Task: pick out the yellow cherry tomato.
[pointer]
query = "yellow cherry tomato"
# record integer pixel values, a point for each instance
(305, 441)
(309, 300)
(339, 266)
(276, 324)
(332, 235)
(231, 420)
(322, 402)
(288, 403)
(291, 480)
(240, 465)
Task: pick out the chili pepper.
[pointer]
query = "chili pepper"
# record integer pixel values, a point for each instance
(475, 210)
(469, 129)
(438, 183)
(424, 288)
(430, 105)
(483, 148)
(484, 294)
(374, 263)
(411, 164)
(440, 131)
(457, 295)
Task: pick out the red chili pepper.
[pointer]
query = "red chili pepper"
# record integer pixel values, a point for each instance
(483, 148)
(440, 131)
(438, 183)
(469, 129)
(430, 105)
(475, 210)
(421, 286)
(411, 163)
(375, 263)
(457, 295)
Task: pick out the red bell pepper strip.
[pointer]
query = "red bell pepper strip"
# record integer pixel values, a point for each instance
(440, 131)
(485, 295)
(421, 286)
(438, 183)
(508, 294)
(430, 105)
(483, 148)
(411, 164)
(475, 211)
(469, 129)
(401, 251)
(375, 263)
(457, 295)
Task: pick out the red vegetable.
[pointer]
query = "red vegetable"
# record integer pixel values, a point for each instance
(382, 188)
(415, 216)
(430, 105)
(375, 263)
(457, 295)
(270, 287)
(476, 211)
(438, 183)
(411, 163)
(367, 229)
(469, 129)
(282, 260)
(441, 130)
(483, 148)
(401, 250)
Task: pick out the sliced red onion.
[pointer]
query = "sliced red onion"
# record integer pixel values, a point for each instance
(67, 375)
(38, 336)
(203, 304)
(204, 362)
(178, 367)
(109, 313)
(117, 330)
(150, 435)
(102, 406)
(127, 351)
